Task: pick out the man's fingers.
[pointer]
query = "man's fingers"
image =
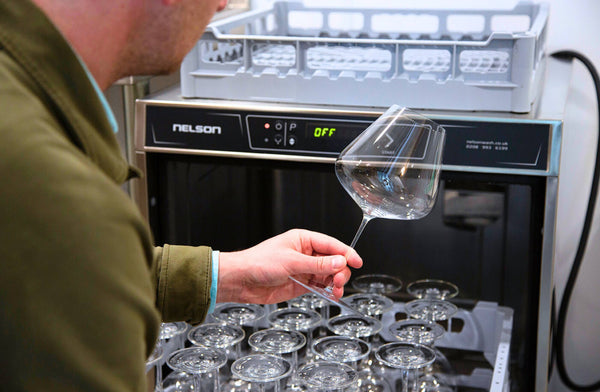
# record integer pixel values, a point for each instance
(319, 243)
(317, 265)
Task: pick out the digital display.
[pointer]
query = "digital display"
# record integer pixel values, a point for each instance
(334, 130)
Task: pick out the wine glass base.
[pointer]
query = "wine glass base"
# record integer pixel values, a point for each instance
(328, 295)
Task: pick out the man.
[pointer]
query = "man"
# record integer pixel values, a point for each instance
(82, 289)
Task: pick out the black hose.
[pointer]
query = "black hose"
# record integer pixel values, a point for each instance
(564, 304)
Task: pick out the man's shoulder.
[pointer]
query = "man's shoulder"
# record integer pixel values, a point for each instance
(28, 119)
(21, 100)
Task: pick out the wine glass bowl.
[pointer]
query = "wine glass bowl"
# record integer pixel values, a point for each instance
(392, 169)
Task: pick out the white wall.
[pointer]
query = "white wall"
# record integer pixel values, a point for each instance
(573, 25)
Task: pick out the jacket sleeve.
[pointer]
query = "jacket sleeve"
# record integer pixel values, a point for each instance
(183, 276)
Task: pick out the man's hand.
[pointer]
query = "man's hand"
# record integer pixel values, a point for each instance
(261, 274)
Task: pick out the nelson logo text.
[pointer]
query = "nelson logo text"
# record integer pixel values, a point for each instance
(189, 128)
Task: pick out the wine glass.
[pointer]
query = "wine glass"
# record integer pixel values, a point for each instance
(407, 357)
(432, 288)
(431, 310)
(416, 331)
(313, 302)
(172, 335)
(391, 170)
(425, 333)
(238, 314)
(152, 364)
(296, 319)
(342, 349)
(354, 326)
(327, 376)
(262, 371)
(170, 339)
(222, 336)
(215, 335)
(246, 316)
(370, 304)
(377, 284)
(278, 342)
(202, 363)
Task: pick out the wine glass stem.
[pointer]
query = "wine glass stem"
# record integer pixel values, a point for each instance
(158, 377)
(405, 381)
(363, 223)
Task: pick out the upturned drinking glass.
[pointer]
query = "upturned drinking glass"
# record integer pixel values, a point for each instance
(377, 284)
(432, 288)
(246, 315)
(171, 338)
(278, 342)
(431, 310)
(223, 336)
(424, 332)
(313, 302)
(407, 357)
(341, 349)
(354, 326)
(296, 319)
(202, 363)
(327, 376)
(370, 304)
(416, 331)
(152, 367)
(285, 344)
(262, 372)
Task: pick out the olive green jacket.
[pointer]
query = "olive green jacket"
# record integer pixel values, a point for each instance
(82, 288)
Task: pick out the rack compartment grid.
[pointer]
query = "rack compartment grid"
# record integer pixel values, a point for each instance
(420, 58)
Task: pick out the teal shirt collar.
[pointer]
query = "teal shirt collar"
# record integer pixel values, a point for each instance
(109, 113)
